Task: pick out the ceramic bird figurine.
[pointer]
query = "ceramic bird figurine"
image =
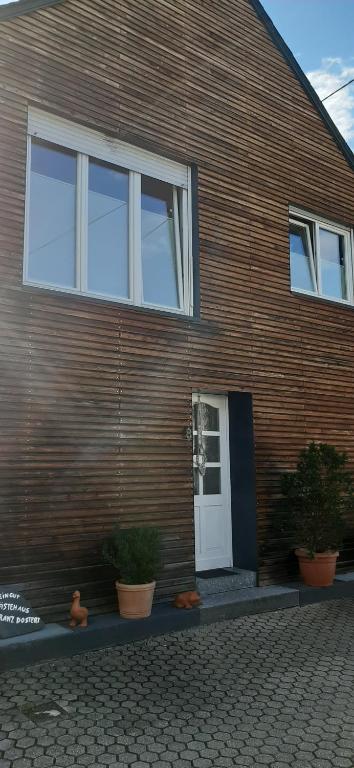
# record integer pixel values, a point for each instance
(78, 614)
(187, 600)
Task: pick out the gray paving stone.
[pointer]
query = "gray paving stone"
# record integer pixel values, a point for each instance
(23, 762)
(271, 690)
(86, 760)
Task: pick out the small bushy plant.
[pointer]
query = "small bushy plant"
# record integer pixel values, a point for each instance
(316, 498)
(135, 553)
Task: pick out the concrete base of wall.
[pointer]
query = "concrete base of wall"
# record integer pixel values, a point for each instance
(58, 641)
(342, 587)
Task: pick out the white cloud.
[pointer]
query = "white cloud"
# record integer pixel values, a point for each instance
(333, 73)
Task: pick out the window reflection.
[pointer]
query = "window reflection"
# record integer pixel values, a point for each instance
(108, 271)
(160, 239)
(334, 283)
(52, 215)
(300, 264)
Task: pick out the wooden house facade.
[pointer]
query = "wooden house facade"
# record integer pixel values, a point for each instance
(153, 156)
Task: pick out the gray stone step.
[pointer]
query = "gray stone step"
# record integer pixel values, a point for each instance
(234, 578)
(244, 602)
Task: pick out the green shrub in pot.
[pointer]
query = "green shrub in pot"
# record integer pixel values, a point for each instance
(316, 499)
(136, 555)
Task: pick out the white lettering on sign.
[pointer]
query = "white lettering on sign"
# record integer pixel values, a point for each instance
(16, 615)
(9, 596)
(27, 620)
(13, 607)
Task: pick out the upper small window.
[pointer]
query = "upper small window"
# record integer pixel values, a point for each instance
(334, 269)
(106, 219)
(320, 257)
(301, 258)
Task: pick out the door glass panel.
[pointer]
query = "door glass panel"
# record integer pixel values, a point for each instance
(107, 269)
(211, 418)
(195, 416)
(334, 283)
(52, 216)
(212, 448)
(212, 481)
(195, 442)
(196, 476)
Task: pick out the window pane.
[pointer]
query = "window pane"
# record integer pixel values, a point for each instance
(196, 476)
(334, 282)
(210, 418)
(158, 242)
(108, 271)
(195, 416)
(300, 267)
(211, 481)
(212, 448)
(52, 214)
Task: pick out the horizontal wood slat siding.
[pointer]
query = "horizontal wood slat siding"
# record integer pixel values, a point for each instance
(95, 397)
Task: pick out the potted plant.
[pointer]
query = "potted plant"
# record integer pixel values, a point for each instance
(315, 500)
(135, 553)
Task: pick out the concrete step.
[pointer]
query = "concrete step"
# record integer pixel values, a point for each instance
(231, 579)
(244, 602)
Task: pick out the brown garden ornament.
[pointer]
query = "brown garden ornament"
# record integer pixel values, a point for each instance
(187, 600)
(78, 614)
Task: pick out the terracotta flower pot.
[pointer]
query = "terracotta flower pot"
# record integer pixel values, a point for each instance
(135, 600)
(318, 571)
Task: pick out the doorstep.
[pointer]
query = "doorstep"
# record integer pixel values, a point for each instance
(58, 641)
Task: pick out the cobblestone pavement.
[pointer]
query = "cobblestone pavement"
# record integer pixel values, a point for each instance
(274, 690)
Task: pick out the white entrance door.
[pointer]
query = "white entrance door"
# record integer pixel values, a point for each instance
(212, 497)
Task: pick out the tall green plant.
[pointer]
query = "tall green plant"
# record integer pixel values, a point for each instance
(135, 553)
(316, 498)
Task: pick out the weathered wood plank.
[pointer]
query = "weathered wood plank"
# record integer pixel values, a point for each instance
(94, 396)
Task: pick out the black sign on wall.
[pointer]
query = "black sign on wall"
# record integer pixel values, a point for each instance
(16, 615)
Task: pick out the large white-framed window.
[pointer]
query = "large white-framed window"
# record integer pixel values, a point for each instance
(106, 219)
(321, 257)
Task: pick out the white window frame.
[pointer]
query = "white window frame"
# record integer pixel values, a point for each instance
(306, 228)
(88, 143)
(302, 218)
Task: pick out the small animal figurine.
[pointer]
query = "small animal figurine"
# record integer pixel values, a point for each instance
(187, 600)
(77, 613)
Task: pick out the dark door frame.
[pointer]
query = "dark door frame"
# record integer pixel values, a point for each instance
(243, 481)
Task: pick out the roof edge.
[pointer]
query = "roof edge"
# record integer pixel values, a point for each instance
(24, 6)
(304, 81)
(28, 6)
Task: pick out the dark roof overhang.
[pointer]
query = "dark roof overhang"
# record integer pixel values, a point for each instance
(12, 10)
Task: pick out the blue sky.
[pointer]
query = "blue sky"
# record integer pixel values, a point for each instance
(320, 34)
